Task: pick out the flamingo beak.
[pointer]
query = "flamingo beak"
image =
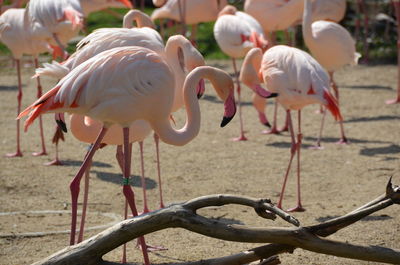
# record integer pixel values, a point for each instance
(230, 109)
(201, 87)
(262, 92)
(127, 3)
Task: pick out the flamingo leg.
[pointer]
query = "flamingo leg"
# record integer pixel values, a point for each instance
(397, 11)
(318, 143)
(156, 141)
(286, 126)
(85, 202)
(145, 206)
(61, 46)
(18, 153)
(299, 207)
(293, 150)
(193, 35)
(39, 94)
(242, 137)
(274, 129)
(128, 192)
(74, 186)
(181, 8)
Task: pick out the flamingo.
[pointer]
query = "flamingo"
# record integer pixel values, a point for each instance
(16, 33)
(299, 80)
(276, 15)
(125, 84)
(396, 5)
(192, 59)
(144, 36)
(236, 33)
(331, 45)
(104, 39)
(190, 12)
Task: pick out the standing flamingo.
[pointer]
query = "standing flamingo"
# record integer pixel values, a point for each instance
(190, 12)
(125, 84)
(104, 39)
(396, 4)
(236, 33)
(16, 33)
(176, 46)
(299, 80)
(330, 43)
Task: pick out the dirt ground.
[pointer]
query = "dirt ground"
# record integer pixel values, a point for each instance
(335, 180)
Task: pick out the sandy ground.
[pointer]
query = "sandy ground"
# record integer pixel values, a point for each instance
(335, 180)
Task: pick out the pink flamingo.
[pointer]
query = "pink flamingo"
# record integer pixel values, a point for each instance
(16, 33)
(236, 33)
(190, 12)
(299, 80)
(125, 84)
(396, 5)
(85, 130)
(331, 45)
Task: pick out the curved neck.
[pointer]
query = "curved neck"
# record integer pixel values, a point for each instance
(249, 73)
(307, 21)
(140, 18)
(182, 57)
(191, 128)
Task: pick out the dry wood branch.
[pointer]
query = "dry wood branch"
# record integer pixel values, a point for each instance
(284, 239)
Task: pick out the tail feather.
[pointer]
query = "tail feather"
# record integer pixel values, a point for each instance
(40, 106)
(332, 106)
(55, 69)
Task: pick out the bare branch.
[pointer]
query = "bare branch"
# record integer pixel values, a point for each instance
(184, 216)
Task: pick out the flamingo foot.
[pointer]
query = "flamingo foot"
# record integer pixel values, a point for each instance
(298, 208)
(42, 153)
(162, 205)
(151, 248)
(284, 129)
(145, 210)
(55, 162)
(393, 101)
(343, 141)
(16, 154)
(240, 138)
(273, 130)
(316, 147)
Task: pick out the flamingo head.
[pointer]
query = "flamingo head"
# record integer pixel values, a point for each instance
(126, 3)
(227, 10)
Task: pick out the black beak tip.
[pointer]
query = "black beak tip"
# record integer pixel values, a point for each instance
(62, 125)
(267, 124)
(273, 95)
(225, 121)
(199, 95)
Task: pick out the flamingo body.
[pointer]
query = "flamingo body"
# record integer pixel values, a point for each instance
(15, 32)
(196, 11)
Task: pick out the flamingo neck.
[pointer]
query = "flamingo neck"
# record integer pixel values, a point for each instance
(306, 24)
(141, 20)
(249, 73)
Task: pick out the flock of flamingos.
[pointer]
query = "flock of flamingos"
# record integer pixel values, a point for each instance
(121, 84)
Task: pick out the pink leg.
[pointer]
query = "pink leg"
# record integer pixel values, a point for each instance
(285, 127)
(299, 207)
(397, 11)
(85, 202)
(18, 153)
(274, 129)
(145, 207)
(74, 186)
(318, 143)
(128, 192)
(156, 141)
(120, 157)
(39, 94)
(193, 35)
(292, 153)
(242, 137)
(343, 139)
